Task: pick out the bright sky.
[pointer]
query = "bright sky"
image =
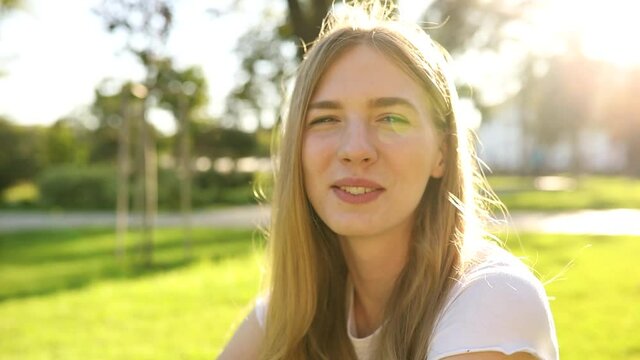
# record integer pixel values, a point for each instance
(54, 53)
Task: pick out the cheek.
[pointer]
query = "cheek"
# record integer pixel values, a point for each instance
(307, 159)
(311, 164)
(398, 134)
(316, 153)
(415, 163)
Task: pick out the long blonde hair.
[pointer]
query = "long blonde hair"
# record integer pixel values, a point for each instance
(307, 314)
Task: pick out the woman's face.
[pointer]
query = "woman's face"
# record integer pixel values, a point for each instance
(369, 146)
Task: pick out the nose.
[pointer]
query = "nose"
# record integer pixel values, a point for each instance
(356, 144)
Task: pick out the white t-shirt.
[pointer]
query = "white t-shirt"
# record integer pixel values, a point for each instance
(498, 305)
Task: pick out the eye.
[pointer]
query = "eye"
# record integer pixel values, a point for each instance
(393, 123)
(322, 120)
(394, 119)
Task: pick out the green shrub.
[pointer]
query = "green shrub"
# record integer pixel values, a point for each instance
(94, 187)
(73, 187)
(210, 188)
(24, 195)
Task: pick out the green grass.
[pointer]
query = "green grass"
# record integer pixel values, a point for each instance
(33, 263)
(594, 286)
(592, 192)
(63, 295)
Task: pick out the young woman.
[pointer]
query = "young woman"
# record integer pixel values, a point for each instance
(376, 244)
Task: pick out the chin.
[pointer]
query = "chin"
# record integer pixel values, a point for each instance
(349, 230)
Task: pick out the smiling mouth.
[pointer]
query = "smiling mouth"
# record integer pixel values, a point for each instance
(356, 190)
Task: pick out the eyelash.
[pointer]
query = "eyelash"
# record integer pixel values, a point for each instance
(322, 120)
(394, 119)
(391, 119)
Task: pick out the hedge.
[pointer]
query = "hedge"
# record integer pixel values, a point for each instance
(94, 187)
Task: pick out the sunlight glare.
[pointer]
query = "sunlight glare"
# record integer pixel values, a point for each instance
(606, 30)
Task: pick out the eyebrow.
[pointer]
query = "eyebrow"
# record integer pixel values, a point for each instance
(391, 101)
(326, 104)
(374, 103)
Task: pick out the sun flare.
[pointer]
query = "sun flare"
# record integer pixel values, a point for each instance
(605, 30)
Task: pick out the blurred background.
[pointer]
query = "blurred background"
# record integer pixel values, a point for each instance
(134, 133)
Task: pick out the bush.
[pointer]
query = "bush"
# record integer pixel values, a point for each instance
(73, 187)
(214, 188)
(94, 187)
(24, 195)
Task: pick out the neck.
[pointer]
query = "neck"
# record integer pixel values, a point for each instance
(374, 265)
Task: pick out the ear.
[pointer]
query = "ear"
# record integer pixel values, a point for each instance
(439, 164)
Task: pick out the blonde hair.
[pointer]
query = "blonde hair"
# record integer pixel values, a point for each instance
(307, 278)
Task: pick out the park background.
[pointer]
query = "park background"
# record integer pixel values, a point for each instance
(129, 225)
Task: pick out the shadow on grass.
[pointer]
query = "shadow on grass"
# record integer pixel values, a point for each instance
(79, 281)
(57, 252)
(45, 262)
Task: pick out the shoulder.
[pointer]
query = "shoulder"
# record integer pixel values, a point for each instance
(497, 305)
(499, 273)
(246, 342)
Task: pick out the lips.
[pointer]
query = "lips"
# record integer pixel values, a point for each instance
(356, 190)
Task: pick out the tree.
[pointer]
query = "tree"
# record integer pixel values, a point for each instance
(462, 25)
(7, 7)
(267, 63)
(621, 114)
(495, 28)
(270, 52)
(183, 93)
(215, 141)
(64, 143)
(146, 25)
(117, 113)
(19, 153)
(566, 103)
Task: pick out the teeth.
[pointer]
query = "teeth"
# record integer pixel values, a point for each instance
(356, 190)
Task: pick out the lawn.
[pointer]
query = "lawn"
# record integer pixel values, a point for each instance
(594, 286)
(62, 295)
(589, 192)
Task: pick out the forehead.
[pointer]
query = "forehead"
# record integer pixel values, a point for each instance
(362, 72)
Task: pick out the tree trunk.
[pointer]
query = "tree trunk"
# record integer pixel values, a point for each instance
(150, 190)
(139, 201)
(185, 175)
(122, 201)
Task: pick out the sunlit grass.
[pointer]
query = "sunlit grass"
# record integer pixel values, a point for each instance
(45, 261)
(594, 285)
(67, 299)
(63, 295)
(179, 314)
(593, 192)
